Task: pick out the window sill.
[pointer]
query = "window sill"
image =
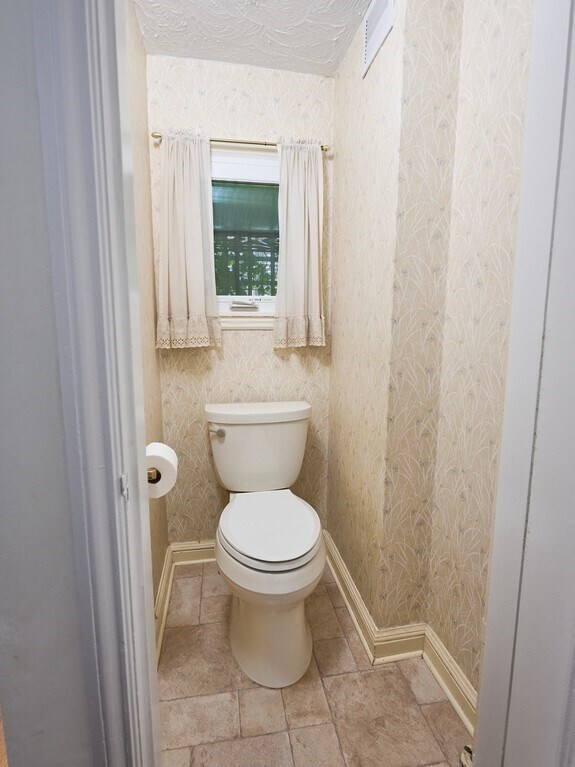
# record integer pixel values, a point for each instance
(247, 321)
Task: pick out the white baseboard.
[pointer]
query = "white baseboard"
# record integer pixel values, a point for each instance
(197, 551)
(382, 645)
(176, 554)
(417, 640)
(448, 673)
(163, 600)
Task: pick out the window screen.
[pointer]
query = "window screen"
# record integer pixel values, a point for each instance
(246, 238)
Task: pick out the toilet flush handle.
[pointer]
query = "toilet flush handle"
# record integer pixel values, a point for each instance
(220, 433)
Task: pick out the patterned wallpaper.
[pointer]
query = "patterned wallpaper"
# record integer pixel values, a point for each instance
(428, 124)
(226, 100)
(492, 90)
(144, 245)
(428, 151)
(367, 134)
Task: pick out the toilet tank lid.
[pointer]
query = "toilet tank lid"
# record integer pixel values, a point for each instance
(258, 412)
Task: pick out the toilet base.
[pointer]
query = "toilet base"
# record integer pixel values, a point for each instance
(272, 645)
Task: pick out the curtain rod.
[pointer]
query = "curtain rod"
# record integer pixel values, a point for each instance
(158, 137)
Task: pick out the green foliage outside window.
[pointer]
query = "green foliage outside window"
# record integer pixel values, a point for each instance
(246, 238)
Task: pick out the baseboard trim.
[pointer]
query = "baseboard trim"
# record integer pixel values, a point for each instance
(360, 615)
(163, 600)
(189, 552)
(417, 640)
(176, 554)
(451, 678)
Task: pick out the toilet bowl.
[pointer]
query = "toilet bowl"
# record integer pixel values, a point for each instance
(269, 634)
(269, 543)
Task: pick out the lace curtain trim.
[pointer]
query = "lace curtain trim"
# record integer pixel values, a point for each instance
(301, 330)
(188, 332)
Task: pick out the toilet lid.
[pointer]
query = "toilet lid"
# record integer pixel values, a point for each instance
(270, 527)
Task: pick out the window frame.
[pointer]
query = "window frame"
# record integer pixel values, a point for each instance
(258, 165)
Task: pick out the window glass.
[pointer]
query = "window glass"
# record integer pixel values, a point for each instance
(246, 238)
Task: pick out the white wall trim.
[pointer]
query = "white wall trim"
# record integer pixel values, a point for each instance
(176, 554)
(246, 321)
(190, 552)
(101, 388)
(541, 154)
(163, 600)
(400, 642)
(364, 623)
(453, 681)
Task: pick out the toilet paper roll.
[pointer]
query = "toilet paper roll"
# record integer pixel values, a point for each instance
(164, 459)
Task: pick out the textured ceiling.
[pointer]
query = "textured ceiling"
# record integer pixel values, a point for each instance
(300, 35)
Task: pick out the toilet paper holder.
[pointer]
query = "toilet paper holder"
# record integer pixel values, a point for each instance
(154, 476)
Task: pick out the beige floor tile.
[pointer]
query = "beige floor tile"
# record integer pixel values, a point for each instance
(188, 571)
(448, 729)
(316, 747)
(263, 751)
(178, 758)
(214, 609)
(184, 608)
(421, 680)
(378, 722)
(355, 644)
(321, 615)
(335, 594)
(345, 620)
(214, 586)
(360, 656)
(261, 711)
(197, 660)
(327, 576)
(190, 721)
(211, 568)
(333, 656)
(305, 702)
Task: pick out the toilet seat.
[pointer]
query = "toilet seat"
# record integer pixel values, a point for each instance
(276, 539)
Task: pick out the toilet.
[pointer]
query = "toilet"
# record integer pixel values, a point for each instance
(269, 543)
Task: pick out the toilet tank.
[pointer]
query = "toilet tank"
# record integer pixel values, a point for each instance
(263, 444)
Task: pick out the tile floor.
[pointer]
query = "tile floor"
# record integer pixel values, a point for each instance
(342, 712)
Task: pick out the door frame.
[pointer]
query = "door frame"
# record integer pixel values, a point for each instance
(87, 165)
(542, 158)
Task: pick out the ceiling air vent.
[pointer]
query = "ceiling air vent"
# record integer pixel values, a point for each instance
(377, 24)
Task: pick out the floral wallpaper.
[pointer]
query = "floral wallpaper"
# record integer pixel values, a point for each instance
(226, 100)
(427, 172)
(144, 245)
(495, 52)
(432, 48)
(367, 135)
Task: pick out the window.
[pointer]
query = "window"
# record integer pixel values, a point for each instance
(246, 238)
(246, 229)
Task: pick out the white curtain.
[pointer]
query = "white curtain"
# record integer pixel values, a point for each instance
(185, 272)
(299, 317)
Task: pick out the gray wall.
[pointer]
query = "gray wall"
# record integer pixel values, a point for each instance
(41, 687)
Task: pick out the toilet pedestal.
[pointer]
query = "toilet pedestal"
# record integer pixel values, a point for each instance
(272, 644)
